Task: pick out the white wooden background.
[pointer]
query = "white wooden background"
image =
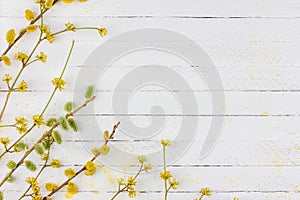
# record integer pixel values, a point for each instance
(255, 47)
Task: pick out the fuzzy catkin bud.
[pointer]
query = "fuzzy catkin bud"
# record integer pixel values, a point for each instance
(11, 164)
(89, 92)
(57, 137)
(51, 122)
(39, 149)
(72, 123)
(1, 196)
(30, 165)
(63, 123)
(11, 179)
(69, 106)
(21, 146)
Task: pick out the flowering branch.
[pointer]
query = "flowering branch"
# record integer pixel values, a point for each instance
(101, 151)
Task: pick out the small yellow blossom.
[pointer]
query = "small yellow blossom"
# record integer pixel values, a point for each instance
(90, 168)
(132, 193)
(31, 28)
(166, 175)
(72, 188)
(50, 37)
(102, 31)
(42, 57)
(5, 141)
(147, 167)
(131, 182)
(50, 186)
(6, 78)
(20, 120)
(6, 60)
(206, 191)
(20, 56)
(59, 83)
(29, 15)
(22, 86)
(173, 183)
(49, 4)
(165, 142)
(70, 27)
(142, 159)
(70, 173)
(55, 163)
(45, 29)
(38, 120)
(22, 128)
(68, 1)
(121, 181)
(10, 36)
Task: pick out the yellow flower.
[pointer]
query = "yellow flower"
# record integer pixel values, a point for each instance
(22, 87)
(20, 56)
(206, 191)
(90, 168)
(165, 142)
(29, 15)
(6, 60)
(68, 1)
(70, 173)
(30, 180)
(72, 188)
(132, 193)
(166, 175)
(38, 120)
(142, 159)
(131, 182)
(55, 163)
(121, 181)
(6, 78)
(50, 37)
(70, 27)
(104, 150)
(22, 128)
(31, 28)
(10, 36)
(50, 186)
(49, 4)
(20, 120)
(5, 141)
(102, 31)
(59, 83)
(173, 183)
(147, 167)
(45, 29)
(42, 57)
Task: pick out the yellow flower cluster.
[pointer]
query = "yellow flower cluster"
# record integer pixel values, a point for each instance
(55, 163)
(5, 141)
(20, 56)
(46, 30)
(10, 36)
(165, 175)
(165, 142)
(102, 31)
(22, 86)
(70, 26)
(38, 120)
(35, 188)
(104, 150)
(6, 78)
(21, 124)
(204, 192)
(6, 60)
(42, 57)
(45, 3)
(59, 83)
(90, 168)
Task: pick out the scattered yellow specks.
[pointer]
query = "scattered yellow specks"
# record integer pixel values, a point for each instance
(266, 113)
(110, 176)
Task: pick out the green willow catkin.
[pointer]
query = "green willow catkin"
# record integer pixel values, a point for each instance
(63, 123)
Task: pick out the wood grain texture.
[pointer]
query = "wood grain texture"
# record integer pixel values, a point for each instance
(255, 48)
